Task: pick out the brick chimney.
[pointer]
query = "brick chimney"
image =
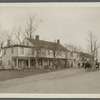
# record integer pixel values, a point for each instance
(8, 42)
(37, 37)
(58, 41)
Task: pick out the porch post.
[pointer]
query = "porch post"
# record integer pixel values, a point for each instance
(43, 63)
(17, 63)
(48, 63)
(28, 62)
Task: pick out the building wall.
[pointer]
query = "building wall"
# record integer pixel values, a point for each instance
(6, 59)
(49, 53)
(44, 52)
(61, 54)
(24, 52)
(74, 58)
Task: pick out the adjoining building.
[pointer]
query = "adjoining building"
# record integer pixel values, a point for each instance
(85, 57)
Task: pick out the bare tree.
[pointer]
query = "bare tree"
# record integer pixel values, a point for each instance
(10, 37)
(36, 52)
(56, 52)
(18, 34)
(2, 36)
(31, 27)
(93, 45)
(67, 53)
(71, 48)
(79, 49)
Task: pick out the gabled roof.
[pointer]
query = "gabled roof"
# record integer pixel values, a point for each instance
(46, 44)
(85, 54)
(74, 51)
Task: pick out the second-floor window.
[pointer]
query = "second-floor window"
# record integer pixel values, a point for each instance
(71, 54)
(22, 50)
(48, 52)
(4, 52)
(44, 52)
(12, 50)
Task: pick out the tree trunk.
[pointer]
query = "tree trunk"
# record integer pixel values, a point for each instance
(54, 59)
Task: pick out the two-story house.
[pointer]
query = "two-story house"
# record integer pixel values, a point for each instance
(32, 53)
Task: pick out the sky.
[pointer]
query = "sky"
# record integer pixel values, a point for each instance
(69, 24)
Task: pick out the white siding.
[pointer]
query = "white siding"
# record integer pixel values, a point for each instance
(8, 57)
(27, 51)
(25, 42)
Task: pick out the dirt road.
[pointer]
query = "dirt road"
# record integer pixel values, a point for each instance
(75, 80)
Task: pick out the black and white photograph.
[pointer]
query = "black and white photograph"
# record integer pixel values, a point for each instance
(50, 48)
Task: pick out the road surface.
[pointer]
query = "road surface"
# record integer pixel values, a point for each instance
(76, 80)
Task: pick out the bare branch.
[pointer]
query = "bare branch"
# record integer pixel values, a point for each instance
(31, 27)
(92, 45)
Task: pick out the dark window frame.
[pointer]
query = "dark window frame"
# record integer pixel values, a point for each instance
(4, 52)
(12, 50)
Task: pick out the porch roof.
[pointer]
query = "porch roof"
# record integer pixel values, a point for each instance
(20, 57)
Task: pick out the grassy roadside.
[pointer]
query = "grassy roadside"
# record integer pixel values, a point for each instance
(12, 74)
